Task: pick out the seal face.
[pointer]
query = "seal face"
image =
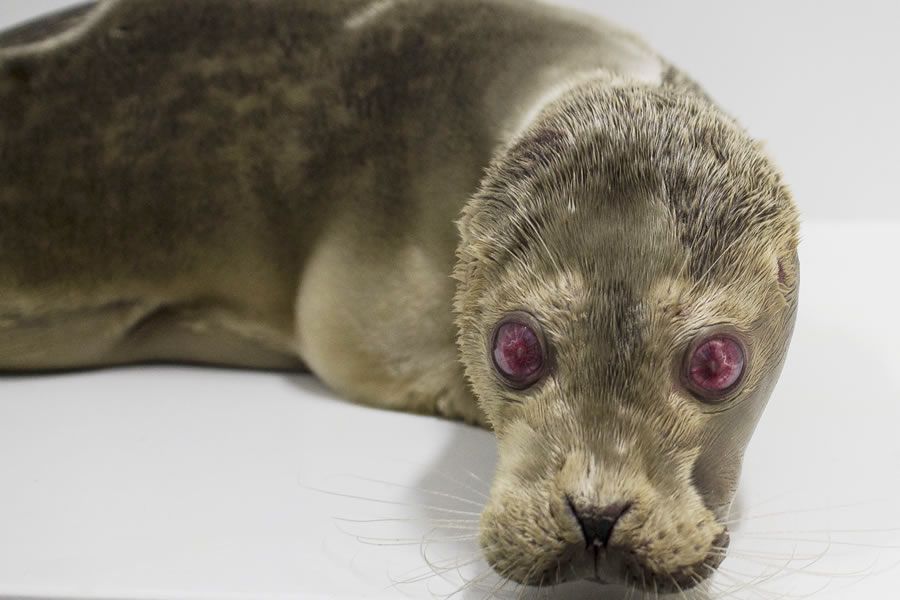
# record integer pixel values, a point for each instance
(274, 183)
(653, 244)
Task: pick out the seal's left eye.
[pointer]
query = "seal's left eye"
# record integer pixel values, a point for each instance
(715, 366)
(517, 352)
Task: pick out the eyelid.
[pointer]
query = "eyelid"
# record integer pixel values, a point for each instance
(687, 336)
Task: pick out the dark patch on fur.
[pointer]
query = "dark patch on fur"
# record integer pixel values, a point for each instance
(536, 150)
(622, 323)
(19, 71)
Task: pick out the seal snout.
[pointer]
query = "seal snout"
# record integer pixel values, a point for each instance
(637, 540)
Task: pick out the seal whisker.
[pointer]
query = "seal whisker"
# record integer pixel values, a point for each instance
(477, 478)
(764, 577)
(482, 494)
(702, 588)
(501, 582)
(762, 556)
(409, 542)
(758, 558)
(447, 476)
(394, 502)
(433, 569)
(756, 587)
(781, 560)
(794, 512)
(524, 589)
(468, 584)
(823, 531)
(377, 541)
(436, 569)
(444, 523)
(734, 550)
(434, 572)
(417, 489)
(782, 572)
(678, 587)
(474, 582)
(751, 583)
(631, 590)
(803, 571)
(829, 541)
(700, 280)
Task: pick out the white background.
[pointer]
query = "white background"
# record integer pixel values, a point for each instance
(180, 482)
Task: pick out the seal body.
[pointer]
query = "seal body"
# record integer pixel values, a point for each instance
(373, 190)
(264, 183)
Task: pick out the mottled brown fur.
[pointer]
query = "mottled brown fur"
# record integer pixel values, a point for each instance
(276, 183)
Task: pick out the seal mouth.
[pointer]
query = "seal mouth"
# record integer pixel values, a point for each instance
(606, 561)
(619, 566)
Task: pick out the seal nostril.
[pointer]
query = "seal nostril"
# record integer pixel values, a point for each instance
(597, 524)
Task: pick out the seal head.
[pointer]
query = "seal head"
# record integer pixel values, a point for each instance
(627, 286)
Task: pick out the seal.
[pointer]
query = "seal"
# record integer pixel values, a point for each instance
(488, 210)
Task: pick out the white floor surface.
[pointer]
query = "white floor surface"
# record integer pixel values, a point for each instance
(196, 483)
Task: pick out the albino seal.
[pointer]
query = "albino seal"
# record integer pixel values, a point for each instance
(277, 183)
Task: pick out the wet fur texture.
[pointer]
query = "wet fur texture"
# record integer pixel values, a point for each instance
(279, 184)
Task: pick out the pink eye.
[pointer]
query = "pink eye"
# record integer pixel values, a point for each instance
(715, 366)
(517, 352)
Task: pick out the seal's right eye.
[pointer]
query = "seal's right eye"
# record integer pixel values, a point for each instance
(518, 351)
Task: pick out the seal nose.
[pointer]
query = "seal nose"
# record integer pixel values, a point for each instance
(597, 524)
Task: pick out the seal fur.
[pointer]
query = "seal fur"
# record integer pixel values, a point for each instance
(276, 184)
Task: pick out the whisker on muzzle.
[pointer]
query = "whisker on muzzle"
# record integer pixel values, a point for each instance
(394, 502)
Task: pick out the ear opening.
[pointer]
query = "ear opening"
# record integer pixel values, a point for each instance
(787, 271)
